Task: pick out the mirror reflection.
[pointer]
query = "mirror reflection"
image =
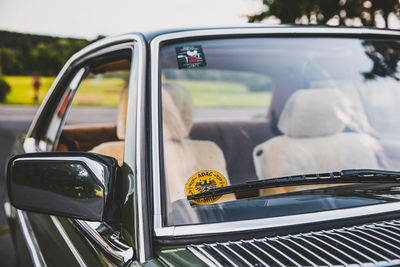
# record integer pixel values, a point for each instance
(62, 188)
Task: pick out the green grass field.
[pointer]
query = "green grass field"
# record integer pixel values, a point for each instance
(22, 90)
(106, 92)
(223, 94)
(102, 92)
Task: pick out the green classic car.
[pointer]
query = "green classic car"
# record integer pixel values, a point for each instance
(241, 146)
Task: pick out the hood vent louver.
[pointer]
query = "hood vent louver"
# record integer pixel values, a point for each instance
(376, 244)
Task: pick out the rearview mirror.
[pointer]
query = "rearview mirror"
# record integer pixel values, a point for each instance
(73, 184)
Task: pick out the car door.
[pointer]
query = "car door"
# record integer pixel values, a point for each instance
(81, 113)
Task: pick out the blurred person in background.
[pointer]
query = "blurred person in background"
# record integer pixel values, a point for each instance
(36, 86)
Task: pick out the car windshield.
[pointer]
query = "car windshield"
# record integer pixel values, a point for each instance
(245, 109)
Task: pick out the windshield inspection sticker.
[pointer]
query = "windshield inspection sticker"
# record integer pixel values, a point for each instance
(190, 57)
(202, 182)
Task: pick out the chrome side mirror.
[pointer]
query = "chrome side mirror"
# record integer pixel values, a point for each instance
(69, 184)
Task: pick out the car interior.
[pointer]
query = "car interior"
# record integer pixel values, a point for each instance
(260, 152)
(294, 133)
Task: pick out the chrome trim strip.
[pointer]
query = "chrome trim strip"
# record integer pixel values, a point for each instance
(382, 234)
(359, 244)
(202, 257)
(256, 246)
(143, 237)
(335, 241)
(370, 242)
(135, 127)
(283, 255)
(30, 239)
(334, 248)
(30, 145)
(251, 253)
(234, 252)
(222, 254)
(209, 257)
(375, 226)
(302, 238)
(377, 238)
(213, 228)
(70, 245)
(9, 210)
(295, 252)
(292, 220)
(157, 224)
(297, 244)
(123, 256)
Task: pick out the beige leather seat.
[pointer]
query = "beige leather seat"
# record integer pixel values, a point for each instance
(182, 157)
(183, 101)
(116, 148)
(313, 141)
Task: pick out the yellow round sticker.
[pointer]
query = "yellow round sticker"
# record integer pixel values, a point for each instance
(202, 182)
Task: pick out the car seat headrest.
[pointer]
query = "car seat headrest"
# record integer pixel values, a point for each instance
(314, 112)
(123, 104)
(173, 126)
(183, 101)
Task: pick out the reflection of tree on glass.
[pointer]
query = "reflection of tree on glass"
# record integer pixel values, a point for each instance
(385, 58)
(82, 187)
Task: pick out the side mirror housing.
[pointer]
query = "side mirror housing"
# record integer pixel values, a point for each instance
(70, 184)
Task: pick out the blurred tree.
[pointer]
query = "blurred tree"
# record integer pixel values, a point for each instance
(27, 54)
(286, 10)
(9, 61)
(384, 7)
(4, 89)
(321, 11)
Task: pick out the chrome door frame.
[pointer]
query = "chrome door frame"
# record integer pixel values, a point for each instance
(132, 157)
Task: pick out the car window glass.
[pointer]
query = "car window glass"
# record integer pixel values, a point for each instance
(246, 109)
(58, 116)
(233, 95)
(96, 115)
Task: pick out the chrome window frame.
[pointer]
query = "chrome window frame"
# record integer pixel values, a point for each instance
(31, 144)
(228, 227)
(30, 239)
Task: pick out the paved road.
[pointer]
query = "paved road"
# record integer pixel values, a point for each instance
(9, 130)
(76, 115)
(81, 114)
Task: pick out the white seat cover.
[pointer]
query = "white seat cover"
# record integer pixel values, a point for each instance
(314, 142)
(184, 157)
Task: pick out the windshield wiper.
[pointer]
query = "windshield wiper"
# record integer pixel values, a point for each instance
(342, 177)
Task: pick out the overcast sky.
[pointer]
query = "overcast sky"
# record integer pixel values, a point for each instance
(89, 18)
